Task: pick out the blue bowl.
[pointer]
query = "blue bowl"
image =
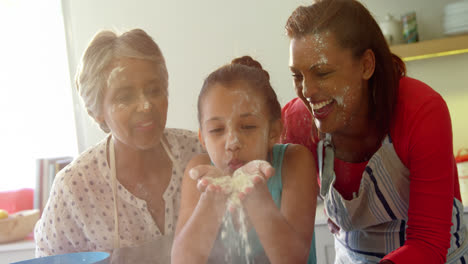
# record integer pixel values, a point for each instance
(71, 258)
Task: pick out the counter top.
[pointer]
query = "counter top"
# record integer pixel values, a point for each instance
(17, 251)
(18, 245)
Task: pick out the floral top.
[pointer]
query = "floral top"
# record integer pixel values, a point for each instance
(79, 215)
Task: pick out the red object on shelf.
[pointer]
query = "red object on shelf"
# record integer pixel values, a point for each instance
(17, 200)
(462, 155)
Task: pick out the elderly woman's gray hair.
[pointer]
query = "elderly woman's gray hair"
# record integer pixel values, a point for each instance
(104, 48)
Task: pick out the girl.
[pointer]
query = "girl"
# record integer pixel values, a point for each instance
(240, 123)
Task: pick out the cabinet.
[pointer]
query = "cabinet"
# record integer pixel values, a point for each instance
(17, 251)
(432, 48)
(324, 241)
(324, 244)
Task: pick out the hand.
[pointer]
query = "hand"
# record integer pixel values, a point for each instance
(334, 229)
(217, 199)
(202, 174)
(259, 168)
(258, 171)
(210, 192)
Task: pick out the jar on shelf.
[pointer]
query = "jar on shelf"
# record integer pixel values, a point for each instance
(410, 27)
(392, 30)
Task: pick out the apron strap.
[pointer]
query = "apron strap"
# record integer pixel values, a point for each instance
(114, 192)
(320, 157)
(168, 151)
(323, 143)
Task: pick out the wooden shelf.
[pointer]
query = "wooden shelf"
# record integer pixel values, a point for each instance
(432, 48)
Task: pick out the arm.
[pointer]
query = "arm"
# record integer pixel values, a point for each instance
(431, 167)
(286, 233)
(200, 216)
(52, 232)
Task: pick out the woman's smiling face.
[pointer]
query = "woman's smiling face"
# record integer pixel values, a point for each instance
(135, 102)
(330, 81)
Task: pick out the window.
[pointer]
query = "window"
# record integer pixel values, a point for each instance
(36, 109)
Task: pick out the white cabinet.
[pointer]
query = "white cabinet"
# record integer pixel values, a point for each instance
(324, 241)
(17, 251)
(325, 244)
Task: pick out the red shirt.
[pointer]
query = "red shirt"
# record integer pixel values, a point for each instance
(422, 137)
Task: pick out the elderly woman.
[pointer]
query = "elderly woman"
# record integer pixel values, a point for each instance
(124, 191)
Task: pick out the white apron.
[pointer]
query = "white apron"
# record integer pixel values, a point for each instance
(373, 223)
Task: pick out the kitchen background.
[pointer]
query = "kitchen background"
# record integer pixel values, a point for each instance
(198, 36)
